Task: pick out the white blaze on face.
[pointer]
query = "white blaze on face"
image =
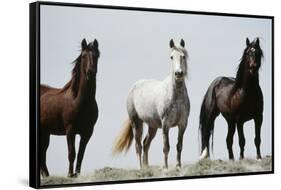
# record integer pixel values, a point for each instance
(178, 61)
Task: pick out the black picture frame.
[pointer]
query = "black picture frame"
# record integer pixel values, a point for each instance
(34, 90)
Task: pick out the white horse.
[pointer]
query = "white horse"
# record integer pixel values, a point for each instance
(160, 104)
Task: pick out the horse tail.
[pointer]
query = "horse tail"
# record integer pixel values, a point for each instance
(208, 113)
(203, 128)
(124, 139)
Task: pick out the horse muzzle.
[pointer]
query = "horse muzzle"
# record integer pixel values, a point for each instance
(179, 75)
(253, 69)
(90, 74)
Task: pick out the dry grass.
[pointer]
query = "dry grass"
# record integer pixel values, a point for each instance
(205, 167)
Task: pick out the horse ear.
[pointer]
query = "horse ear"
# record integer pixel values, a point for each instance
(182, 43)
(84, 44)
(172, 44)
(258, 42)
(96, 43)
(247, 42)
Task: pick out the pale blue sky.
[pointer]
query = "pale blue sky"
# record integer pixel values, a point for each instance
(134, 45)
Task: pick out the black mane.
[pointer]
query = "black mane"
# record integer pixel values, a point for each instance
(75, 77)
(241, 67)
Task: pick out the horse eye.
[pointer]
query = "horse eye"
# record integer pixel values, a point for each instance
(183, 57)
(171, 57)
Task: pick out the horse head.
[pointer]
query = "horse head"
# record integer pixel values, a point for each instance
(179, 61)
(89, 58)
(252, 56)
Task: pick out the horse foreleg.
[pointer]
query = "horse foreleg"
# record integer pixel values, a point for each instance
(166, 147)
(146, 144)
(229, 138)
(241, 139)
(258, 122)
(82, 146)
(71, 153)
(181, 131)
(44, 141)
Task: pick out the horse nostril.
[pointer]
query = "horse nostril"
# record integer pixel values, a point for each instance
(253, 66)
(179, 73)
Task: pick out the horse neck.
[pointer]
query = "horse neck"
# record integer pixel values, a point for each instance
(251, 83)
(247, 83)
(175, 89)
(86, 89)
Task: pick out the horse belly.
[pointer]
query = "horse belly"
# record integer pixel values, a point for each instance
(50, 117)
(150, 116)
(53, 124)
(57, 131)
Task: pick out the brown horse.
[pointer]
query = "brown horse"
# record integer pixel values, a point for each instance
(72, 109)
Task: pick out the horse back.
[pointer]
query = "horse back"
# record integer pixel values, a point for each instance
(44, 89)
(228, 100)
(142, 98)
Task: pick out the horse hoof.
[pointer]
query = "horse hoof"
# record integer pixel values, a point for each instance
(165, 168)
(72, 175)
(241, 158)
(144, 167)
(178, 167)
(44, 174)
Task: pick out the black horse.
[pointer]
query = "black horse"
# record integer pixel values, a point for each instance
(238, 99)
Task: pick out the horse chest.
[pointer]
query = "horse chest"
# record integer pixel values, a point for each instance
(250, 106)
(174, 113)
(246, 106)
(82, 117)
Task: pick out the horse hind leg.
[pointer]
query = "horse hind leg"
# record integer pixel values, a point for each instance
(44, 143)
(146, 144)
(137, 130)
